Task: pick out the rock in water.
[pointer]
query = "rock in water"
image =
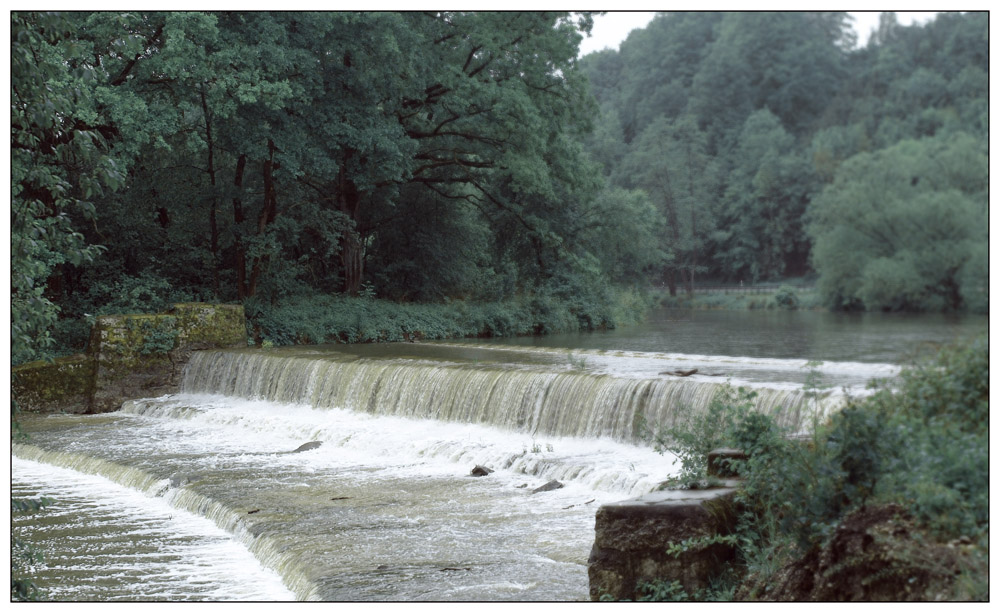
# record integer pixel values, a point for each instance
(308, 446)
(551, 485)
(480, 471)
(180, 479)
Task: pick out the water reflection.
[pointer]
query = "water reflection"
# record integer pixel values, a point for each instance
(809, 335)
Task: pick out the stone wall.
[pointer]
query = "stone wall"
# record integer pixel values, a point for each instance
(129, 356)
(65, 384)
(634, 538)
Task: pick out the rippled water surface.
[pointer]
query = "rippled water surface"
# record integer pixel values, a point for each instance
(102, 541)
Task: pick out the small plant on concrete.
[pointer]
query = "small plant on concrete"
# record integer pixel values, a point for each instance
(691, 441)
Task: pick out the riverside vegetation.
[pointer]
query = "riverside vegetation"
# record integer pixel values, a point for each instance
(887, 500)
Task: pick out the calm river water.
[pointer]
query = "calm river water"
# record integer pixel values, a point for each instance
(809, 335)
(196, 496)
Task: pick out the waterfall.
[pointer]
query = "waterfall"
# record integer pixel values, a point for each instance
(228, 519)
(385, 506)
(530, 399)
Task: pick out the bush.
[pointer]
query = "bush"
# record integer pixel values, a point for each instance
(786, 298)
(923, 446)
(327, 319)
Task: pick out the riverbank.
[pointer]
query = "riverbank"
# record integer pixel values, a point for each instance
(784, 298)
(344, 319)
(887, 501)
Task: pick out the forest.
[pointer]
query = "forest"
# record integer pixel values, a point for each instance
(304, 164)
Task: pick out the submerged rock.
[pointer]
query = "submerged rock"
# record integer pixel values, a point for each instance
(551, 485)
(180, 479)
(480, 471)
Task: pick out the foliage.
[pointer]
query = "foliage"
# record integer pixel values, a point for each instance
(663, 591)
(312, 319)
(942, 414)
(760, 232)
(786, 298)
(693, 439)
(669, 162)
(59, 162)
(265, 157)
(744, 128)
(923, 445)
(437, 157)
(896, 227)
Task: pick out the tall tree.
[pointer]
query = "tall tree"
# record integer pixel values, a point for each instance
(905, 227)
(670, 162)
(59, 163)
(761, 234)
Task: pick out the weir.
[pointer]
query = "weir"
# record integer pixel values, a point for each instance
(537, 400)
(383, 506)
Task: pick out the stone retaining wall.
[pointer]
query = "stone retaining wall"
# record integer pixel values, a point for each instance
(634, 538)
(65, 384)
(129, 356)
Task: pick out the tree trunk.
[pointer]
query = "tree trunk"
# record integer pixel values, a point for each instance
(238, 217)
(213, 223)
(687, 278)
(267, 216)
(351, 251)
(671, 276)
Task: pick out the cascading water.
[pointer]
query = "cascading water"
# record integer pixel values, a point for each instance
(539, 400)
(384, 508)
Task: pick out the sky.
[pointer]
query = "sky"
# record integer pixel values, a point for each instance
(612, 28)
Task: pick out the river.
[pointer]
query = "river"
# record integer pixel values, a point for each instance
(201, 495)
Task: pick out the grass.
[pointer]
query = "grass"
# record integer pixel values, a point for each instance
(341, 319)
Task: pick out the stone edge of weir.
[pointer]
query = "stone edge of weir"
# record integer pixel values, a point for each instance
(633, 538)
(128, 356)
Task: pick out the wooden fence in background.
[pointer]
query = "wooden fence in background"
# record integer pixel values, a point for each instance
(741, 289)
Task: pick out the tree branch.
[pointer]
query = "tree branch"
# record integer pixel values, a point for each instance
(131, 64)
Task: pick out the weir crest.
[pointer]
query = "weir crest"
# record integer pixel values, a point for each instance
(532, 400)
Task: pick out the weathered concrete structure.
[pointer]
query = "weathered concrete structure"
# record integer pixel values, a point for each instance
(633, 537)
(129, 356)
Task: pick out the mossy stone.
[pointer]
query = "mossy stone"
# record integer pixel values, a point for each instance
(129, 356)
(64, 384)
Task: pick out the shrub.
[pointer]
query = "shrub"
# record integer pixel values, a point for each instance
(923, 446)
(786, 298)
(322, 319)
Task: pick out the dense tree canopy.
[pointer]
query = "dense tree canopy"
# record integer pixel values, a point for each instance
(262, 156)
(903, 227)
(779, 107)
(162, 156)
